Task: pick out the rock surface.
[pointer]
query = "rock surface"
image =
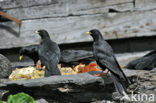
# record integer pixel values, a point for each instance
(142, 89)
(68, 88)
(5, 67)
(84, 87)
(41, 101)
(144, 84)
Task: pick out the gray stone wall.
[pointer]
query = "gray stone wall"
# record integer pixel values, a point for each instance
(67, 20)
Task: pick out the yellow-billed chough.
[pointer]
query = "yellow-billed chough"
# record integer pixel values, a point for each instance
(67, 56)
(147, 62)
(30, 51)
(49, 54)
(105, 58)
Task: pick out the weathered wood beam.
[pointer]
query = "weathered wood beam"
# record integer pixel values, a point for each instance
(145, 4)
(68, 8)
(9, 4)
(71, 29)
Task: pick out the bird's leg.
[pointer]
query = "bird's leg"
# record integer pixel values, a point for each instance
(99, 75)
(44, 67)
(106, 74)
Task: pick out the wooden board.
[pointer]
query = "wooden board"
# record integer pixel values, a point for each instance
(69, 8)
(67, 20)
(145, 4)
(9, 4)
(71, 29)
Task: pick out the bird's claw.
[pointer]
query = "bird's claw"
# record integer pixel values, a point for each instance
(125, 98)
(106, 74)
(98, 75)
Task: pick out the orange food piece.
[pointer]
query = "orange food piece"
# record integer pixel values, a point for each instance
(90, 67)
(81, 68)
(78, 67)
(38, 64)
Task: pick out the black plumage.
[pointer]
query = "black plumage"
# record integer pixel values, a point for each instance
(105, 58)
(30, 51)
(147, 62)
(49, 54)
(68, 57)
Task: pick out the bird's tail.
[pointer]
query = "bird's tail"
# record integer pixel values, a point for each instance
(122, 76)
(120, 85)
(128, 82)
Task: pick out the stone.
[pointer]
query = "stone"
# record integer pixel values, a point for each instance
(82, 87)
(5, 67)
(41, 101)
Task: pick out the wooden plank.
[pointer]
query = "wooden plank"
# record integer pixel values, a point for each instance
(8, 4)
(71, 29)
(145, 4)
(69, 8)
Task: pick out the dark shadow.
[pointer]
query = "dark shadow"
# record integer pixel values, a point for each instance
(10, 30)
(3, 19)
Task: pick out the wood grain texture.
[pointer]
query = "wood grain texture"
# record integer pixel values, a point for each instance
(69, 8)
(145, 4)
(67, 20)
(71, 29)
(9, 4)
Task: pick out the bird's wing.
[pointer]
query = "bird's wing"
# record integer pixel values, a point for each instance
(111, 64)
(123, 74)
(144, 63)
(133, 63)
(50, 61)
(50, 56)
(150, 53)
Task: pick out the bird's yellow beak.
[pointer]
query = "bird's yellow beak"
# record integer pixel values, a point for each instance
(36, 32)
(88, 33)
(20, 58)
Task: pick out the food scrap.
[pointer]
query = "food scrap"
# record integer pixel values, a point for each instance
(66, 70)
(81, 68)
(26, 73)
(33, 72)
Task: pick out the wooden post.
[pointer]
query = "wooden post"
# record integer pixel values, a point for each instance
(10, 18)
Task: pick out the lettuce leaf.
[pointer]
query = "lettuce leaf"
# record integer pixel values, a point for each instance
(20, 98)
(2, 102)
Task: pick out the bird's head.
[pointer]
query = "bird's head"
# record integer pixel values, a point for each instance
(43, 34)
(95, 34)
(21, 52)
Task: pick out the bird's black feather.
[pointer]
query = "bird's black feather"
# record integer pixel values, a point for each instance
(146, 62)
(49, 54)
(103, 54)
(30, 51)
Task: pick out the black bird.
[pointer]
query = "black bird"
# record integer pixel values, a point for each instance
(49, 54)
(147, 62)
(105, 58)
(30, 51)
(68, 57)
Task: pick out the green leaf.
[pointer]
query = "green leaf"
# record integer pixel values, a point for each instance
(20, 98)
(2, 102)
